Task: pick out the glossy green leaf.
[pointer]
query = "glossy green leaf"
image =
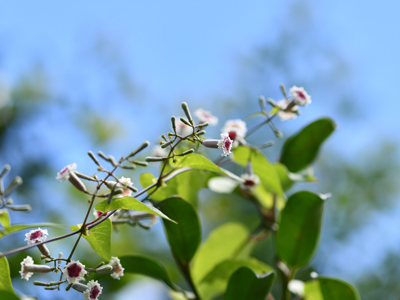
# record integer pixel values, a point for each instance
(190, 183)
(146, 266)
(167, 189)
(216, 281)
(301, 149)
(5, 278)
(299, 228)
(99, 238)
(18, 227)
(324, 288)
(184, 238)
(4, 218)
(7, 295)
(245, 284)
(130, 203)
(288, 178)
(262, 168)
(223, 243)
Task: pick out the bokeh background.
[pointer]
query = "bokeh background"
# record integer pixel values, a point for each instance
(107, 76)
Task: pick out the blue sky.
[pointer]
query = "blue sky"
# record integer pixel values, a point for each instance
(179, 50)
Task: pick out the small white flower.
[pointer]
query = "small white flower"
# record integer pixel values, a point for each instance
(182, 129)
(225, 144)
(287, 114)
(123, 183)
(206, 116)
(93, 291)
(117, 268)
(235, 129)
(159, 152)
(74, 271)
(250, 181)
(28, 261)
(65, 172)
(296, 287)
(36, 236)
(300, 96)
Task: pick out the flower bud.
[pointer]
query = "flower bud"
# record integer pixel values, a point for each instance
(185, 122)
(94, 158)
(106, 269)
(25, 207)
(41, 283)
(210, 143)
(139, 163)
(76, 182)
(173, 121)
(249, 168)
(205, 124)
(261, 101)
(83, 176)
(102, 155)
(167, 144)
(1, 187)
(44, 250)
(132, 188)
(283, 89)
(6, 168)
(10, 201)
(187, 112)
(16, 182)
(186, 152)
(79, 287)
(140, 148)
(38, 268)
(155, 159)
(201, 132)
(112, 160)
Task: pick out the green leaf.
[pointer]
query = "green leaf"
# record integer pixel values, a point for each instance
(4, 218)
(19, 227)
(224, 242)
(7, 295)
(324, 288)
(245, 284)
(288, 178)
(300, 150)
(299, 228)
(190, 183)
(5, 278)
(184, 238)
(99, 238)
(216, 281)
(146, 266)
(132, 204)
(166, 190)
(263, 169)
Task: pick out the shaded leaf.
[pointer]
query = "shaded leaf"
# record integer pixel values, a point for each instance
(4, 218)
(301, 149)
(324, 288)
(223, 242)
(299, 228)
(129, 203)
(288, 178)
(184, 238)
(146, 266)
(7, 295)
(5, 278)
(190, 183)
(18, 227)
(245, 284)
(99, 238)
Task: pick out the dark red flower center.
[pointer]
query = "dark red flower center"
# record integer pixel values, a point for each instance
(74, 270)
(249, 183)
(301, 95)
(94, 292)
(232, 135)
(36, 234)
(227, 144)
(99, 213)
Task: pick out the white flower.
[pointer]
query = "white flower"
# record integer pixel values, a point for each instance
(250, 181)
(296, 287)
(123, 183)
(159, 152)
(74, 271)
(93, 291)
(28, 261)
(206, 116)
(65, 172)
(287, 114)
(117, 268)
(225, 144)
(36, 236)
(182, 129)
(235, 128)
(300, 96)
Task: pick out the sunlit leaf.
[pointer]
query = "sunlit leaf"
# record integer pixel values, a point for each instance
(99, 238)
(222, 185)
(18, 227)
(167, 189)
(146, 266)
(262, 168)
(4, 218)
(246, 284)
(190, 183)
(130, 203)
(301, 149)
(299, 228)
(216, 281)
(223, 243)
(5, 278)
(184, 238)
(288, 178)
(324, 288)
